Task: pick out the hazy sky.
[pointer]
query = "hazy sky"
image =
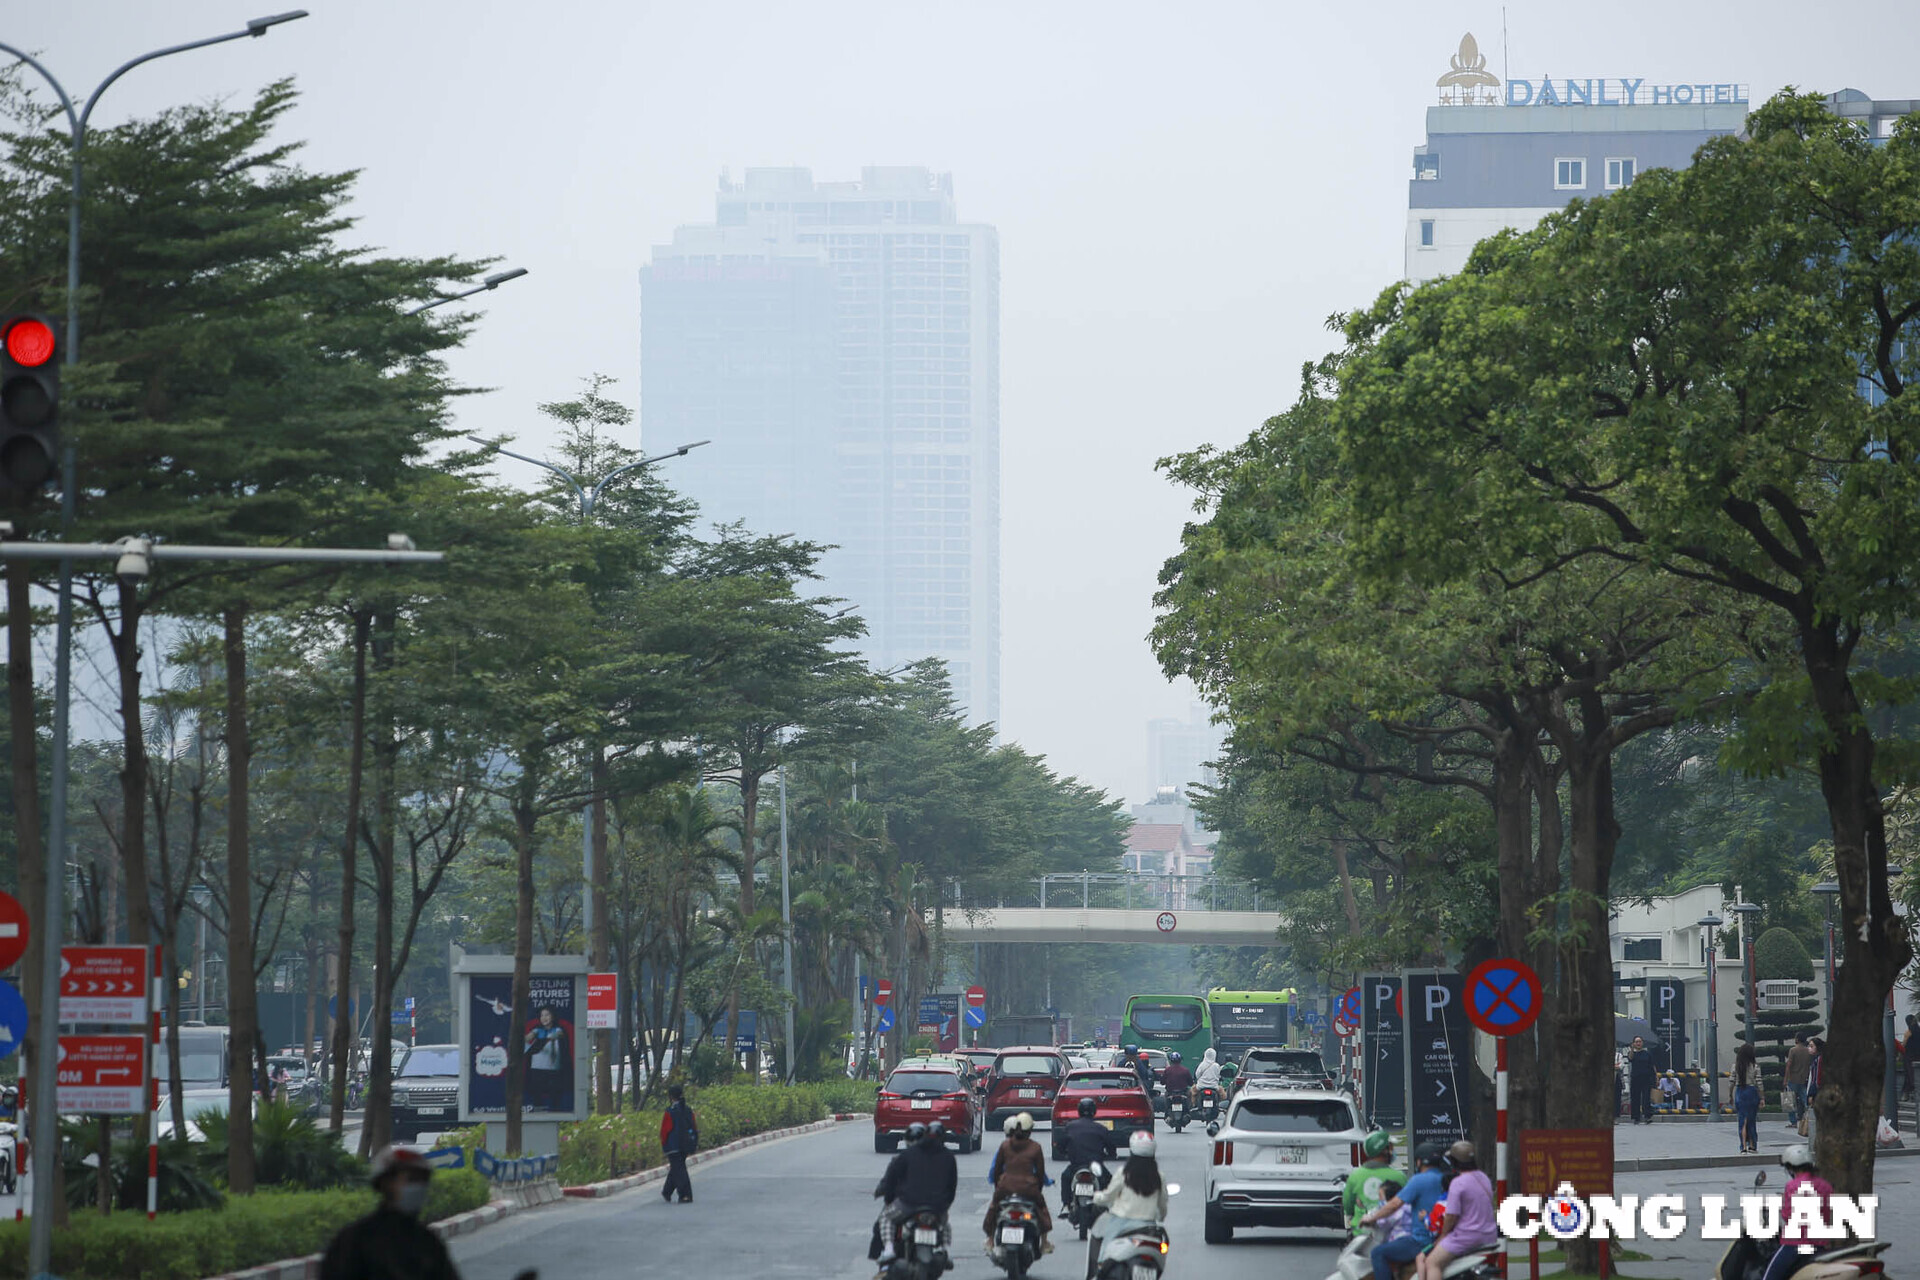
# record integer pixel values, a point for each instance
(1183, 193)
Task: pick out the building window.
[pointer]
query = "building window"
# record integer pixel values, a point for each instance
(1426, 165)
(1570, 174)
(1620, 171)
(1426, 233)
(1641, 949)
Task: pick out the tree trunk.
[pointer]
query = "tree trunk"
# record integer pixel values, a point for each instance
(377, 1127)
(599, 926)
(1349, 907)
(523, 824)
(243, 1015)
(1875, 950)
(133, 769)
(356, 761)
(24, 747)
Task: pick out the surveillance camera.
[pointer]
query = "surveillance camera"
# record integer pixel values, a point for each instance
(133, 561)
(399, 542)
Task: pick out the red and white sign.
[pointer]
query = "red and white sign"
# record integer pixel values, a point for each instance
(1166, 921)
(103, 1075)
(882, 991)
(13, 930)
(103, 984)
(977, 996)
(603, 1001)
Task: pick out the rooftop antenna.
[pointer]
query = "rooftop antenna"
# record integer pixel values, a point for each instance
(1503, 44)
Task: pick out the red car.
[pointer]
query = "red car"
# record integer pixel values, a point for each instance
(1119, 1103)
(1024, 1079)
(925, 1093)
(981, 1060)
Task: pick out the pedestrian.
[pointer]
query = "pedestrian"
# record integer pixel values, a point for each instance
(1746, 1096)
(391, 1243)
(679, 1138)
(1799, 1063)
(1640, 1080)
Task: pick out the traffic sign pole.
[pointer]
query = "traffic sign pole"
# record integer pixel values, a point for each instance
(153, 1099)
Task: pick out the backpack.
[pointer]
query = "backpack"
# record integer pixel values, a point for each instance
(686, 1127)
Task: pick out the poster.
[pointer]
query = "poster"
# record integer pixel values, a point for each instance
(1383, 1068)
(1439, 1056)
(547, 1037)
(1667, 1015)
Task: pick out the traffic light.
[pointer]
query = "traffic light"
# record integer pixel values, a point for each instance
(29, 401)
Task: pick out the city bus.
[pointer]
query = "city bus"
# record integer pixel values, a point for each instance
(1171, 1024)
(1245, 1020)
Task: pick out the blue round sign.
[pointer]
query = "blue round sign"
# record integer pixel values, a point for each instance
(975, 1017)
(13, 1019)
(1503, 996)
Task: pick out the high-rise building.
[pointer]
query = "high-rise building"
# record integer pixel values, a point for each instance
(1182, 753)
(1506, 155)
(840, 344)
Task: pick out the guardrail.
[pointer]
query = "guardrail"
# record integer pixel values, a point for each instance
(521, 1169)
(1086, 890)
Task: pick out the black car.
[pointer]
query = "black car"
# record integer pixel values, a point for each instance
(1300, 1066)
(426, 1091)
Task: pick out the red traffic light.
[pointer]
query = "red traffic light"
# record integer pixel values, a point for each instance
(30, 342)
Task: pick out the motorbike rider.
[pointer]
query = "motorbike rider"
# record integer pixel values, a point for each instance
(1142, 1067)
(391, 1243)
(1135, 1199)
(1084, 1141)
(1177, 1080)
(1208, 1076)
(1802, 1179)
(1468, 1223)
(1373, 1183)
(1019, 1169)
(923, 1176)
(1423, 1190)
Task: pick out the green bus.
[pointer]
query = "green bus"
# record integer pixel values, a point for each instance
(1172, 1024)
(1245, 1020)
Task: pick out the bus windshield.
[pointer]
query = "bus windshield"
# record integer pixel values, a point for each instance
(1166, 1020)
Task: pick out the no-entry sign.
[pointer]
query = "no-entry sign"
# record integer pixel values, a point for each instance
(103, 984)
(883, 992)
(975, 1012)
(103, 1075)
(603, 1001)
(13, 930)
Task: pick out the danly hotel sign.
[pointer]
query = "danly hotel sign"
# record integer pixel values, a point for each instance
(1468, 83)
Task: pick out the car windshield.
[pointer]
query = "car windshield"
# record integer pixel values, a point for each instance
(1290, 1062)
(922, 1081)
(199, 1068)
(1029, 1064)
(432, 1062)
(1169, 1020)
(1103, 1080)
(1293, 1115)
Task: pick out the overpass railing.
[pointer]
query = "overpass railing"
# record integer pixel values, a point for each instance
(1127, 890)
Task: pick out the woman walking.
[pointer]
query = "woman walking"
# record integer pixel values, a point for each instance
(1746, 1097)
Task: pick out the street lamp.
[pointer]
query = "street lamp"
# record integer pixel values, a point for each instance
(1747, 911)
(45, 1119)
(1710, 923)
(493, 281)
(1828, 891)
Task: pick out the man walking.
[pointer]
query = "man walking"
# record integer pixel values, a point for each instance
(1799, 1066)
(1640, 1080)
(679, 1138)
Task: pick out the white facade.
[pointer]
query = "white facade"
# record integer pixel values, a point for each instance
(1440, 240)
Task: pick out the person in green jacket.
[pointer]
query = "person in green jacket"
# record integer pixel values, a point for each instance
(1374, 1183)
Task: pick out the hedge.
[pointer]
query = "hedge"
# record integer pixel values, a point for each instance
(609, 1146)
(247, 1231)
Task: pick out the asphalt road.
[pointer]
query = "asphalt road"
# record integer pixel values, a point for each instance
(803, 1207)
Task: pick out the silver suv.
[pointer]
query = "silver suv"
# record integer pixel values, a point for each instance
(1280, 1159)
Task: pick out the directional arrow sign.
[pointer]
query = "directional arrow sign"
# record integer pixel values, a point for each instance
(886, 1018)
(13, 1019)
(103, 984)
(102, 1075)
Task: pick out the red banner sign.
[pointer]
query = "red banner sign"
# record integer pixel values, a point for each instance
(103, 984)
(603, 1001)
(103, 1075)
(1581, 1157)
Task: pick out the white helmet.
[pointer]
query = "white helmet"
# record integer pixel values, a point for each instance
(1024, 1122)
(1797, 1156)
(1011, 1126)
(1140, 1144)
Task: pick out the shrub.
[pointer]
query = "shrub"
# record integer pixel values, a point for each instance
(1777, 954)
(289, 1150)
(608, 1146)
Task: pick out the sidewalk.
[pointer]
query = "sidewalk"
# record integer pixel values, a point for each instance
(1700, 1142)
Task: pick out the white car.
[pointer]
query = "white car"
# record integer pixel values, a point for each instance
(1281, 1157)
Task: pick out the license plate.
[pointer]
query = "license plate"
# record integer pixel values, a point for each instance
(923, 1105)
(1029, 1093)
(1085, 1193)
(430, 1111)
(1141, 1271)
(1106, 1124)
(1013, 1235)
(925, 1235)
(1290, 1155)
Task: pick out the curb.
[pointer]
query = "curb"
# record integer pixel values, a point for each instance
(1658, 1164)
(613, 1186)
(308, 1268)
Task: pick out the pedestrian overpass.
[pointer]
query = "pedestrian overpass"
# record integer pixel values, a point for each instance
(1124, 908)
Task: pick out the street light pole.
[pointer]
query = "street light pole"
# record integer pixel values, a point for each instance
(493, 281)
(786, 918)
(1747, 911)
(44, 1120)
(1828, 891)
(1710, 923)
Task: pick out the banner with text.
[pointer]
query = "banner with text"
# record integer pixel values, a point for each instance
(1439, 1056)
(1383, 1048)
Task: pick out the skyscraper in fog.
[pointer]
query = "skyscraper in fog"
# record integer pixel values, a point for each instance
(839, 342)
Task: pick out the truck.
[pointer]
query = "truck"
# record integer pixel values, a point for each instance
(203, 1074)
(1009, 1030)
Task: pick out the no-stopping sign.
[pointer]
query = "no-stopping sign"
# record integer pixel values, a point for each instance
(1503, 996)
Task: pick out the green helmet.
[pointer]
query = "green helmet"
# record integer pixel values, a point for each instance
(1377, 1144)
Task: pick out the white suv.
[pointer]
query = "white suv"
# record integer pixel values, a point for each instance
(1281, 1159)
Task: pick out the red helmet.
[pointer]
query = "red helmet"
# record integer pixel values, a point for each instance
(397, 1159)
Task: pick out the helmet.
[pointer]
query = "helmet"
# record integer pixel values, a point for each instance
(1429, 1155)
(936, 1132)
(393, 1159)
(916, 1131)
(1460, 1154)
(1024, 1122)
(1140, 1144)
(1378, 1143)
(1174, 1056)
(1797, 1156)
(1088, 1106)
(1131, 1048)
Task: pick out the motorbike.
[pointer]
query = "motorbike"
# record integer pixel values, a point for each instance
(1016, 1237)
(1356, 1260)
(9, 1157)
(1206, 1103)
(1747, 1258)
(1081, 1211)
(919, 1247)
(1177, 1112)
(1139, 1254)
